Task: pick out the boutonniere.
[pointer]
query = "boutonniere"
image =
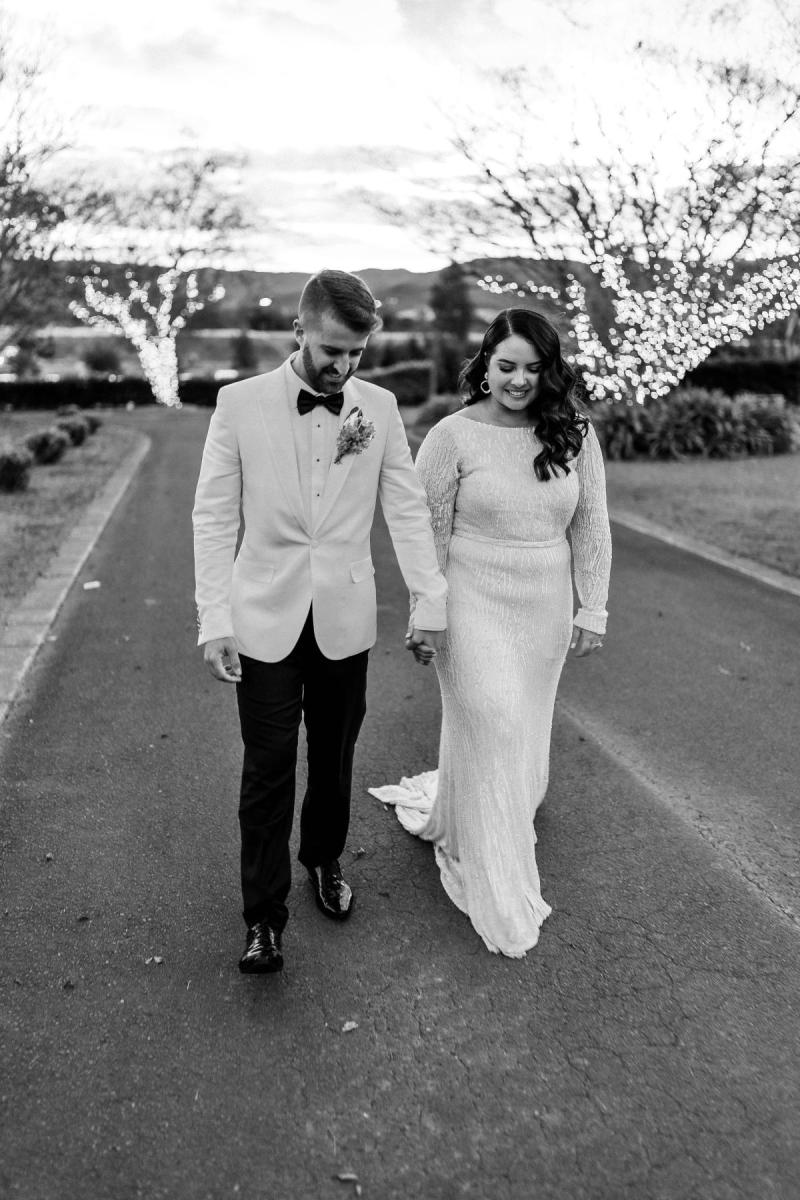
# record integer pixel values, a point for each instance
(355, 434)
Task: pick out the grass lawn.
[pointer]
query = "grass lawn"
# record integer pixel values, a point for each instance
(747, 506)
(33, 522)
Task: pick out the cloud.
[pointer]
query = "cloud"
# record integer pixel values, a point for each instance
(108, 46)
(289, 23)
(191, 48)
(344, 157)
(318, 21)
(266, 26)
(453, 23)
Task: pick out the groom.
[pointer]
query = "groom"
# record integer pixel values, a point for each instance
(305, 450)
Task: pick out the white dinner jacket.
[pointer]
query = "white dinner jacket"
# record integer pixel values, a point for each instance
(285, 565)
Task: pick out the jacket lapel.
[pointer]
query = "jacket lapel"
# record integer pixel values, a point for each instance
(280, 441)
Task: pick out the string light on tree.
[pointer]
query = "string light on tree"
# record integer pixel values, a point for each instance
(151, 325)
(179, 218)
(659, 253)
(661, 333)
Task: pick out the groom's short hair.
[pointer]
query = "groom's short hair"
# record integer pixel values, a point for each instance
(344, 296)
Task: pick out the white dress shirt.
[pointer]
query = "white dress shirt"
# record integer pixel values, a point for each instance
(315, 436)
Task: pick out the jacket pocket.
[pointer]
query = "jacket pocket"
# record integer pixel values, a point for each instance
(258, 572)
(361, 570)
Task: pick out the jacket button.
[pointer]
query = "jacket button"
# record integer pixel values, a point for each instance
(314, 543)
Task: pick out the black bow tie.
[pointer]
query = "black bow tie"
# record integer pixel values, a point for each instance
(307, 400)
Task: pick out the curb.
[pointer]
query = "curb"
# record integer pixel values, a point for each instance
(744, 566)
(26, 627)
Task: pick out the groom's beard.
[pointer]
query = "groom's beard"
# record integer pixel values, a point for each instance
(323, 381)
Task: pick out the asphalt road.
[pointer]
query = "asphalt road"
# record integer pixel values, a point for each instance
(647, 1048)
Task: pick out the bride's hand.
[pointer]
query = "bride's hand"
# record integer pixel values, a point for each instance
(423, 644)
(584, 641)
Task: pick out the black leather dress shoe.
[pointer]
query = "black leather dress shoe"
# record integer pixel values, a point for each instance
(334, 897)
(263, 951)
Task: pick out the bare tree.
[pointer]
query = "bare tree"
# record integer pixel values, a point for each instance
(31, 214)
(665, 254)
(166, 229)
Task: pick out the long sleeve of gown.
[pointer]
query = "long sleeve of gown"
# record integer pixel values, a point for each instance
(438, 469)
(591, 537)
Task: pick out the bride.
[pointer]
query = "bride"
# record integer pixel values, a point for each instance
(507, 479)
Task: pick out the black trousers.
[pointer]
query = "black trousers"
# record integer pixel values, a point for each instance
(330, 696)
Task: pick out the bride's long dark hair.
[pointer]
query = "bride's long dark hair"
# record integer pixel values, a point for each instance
(561, 422)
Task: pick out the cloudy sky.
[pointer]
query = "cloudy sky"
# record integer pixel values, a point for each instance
(329, 99)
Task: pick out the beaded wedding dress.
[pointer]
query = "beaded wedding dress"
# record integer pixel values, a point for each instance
(501, 539)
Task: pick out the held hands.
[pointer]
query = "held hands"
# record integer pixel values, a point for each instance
(583, 641)
(221, 656)
(423, 644)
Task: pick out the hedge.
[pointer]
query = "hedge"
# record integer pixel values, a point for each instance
(735, 375)
(384, 351)
(202, 392)
(79, 393)
(696, 422)
(83, 394)
(410, 381)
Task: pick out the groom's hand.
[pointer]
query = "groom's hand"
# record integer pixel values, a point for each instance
(583, 641)
(221, 656)
(423, 644)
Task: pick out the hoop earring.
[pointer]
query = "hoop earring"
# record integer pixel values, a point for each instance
(487, 391)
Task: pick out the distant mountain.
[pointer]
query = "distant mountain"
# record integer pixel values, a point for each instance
(396, 288)
(403, 294)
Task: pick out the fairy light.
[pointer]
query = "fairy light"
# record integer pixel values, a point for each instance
(149, 318)
(659, 334)
(167, 232)
(690, 247)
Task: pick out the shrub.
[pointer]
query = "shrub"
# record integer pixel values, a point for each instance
(624, 430)
(15, 467)
(72, 410)
(76, 427)
(768, 420)
(47, 445)
(693, 422)
(273, 317)
(450, 358)
(30, 350)
(400, 350)
(102, 359)
(410, 381)
(385, 351)
(245, 359)
(202, 392)
(372, 356)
